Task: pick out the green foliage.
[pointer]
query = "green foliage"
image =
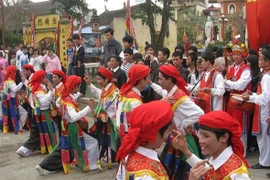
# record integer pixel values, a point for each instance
(211, 45)
(12, 38)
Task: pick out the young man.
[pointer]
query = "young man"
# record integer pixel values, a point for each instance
(23, 58)
(104, 127)
(163, 55)
(261, 124)
(211, 86)
(127, 43)
(78, 61)
(19, 52)
(186, 114)
(220, 139)
(70, 52)
(111, 47)
(130, 95)
(191, 64)
(119, 76)
(177, 58)
(128, 62)
(75, 143)
(150, 126)
(238, 84)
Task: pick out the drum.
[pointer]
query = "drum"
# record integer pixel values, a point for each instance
(238, 103)
(199, 101)
(53, 113)
(83, 124)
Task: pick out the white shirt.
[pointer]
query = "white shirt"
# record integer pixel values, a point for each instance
(241, 83)
(133, 105)
(218, 162)
(187, 113)
(14, 88)
(115, 69)
(151, 154)
(122, 54)
(36, 62)
(44, 99)
(72, 116)
(263, 99)
(97, 93)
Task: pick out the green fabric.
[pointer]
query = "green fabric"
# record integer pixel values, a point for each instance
(50, 127)
(192, 146)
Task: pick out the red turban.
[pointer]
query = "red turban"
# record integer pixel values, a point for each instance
(145, 123)
(135, 73)
(60, 73)
(105, 72)
(11, 72)
(70, 84)
(173, 72)
(28, 67)
(37, 80)
(222, 120)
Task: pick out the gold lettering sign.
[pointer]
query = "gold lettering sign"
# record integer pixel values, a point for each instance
(251, 1)
(48, 21)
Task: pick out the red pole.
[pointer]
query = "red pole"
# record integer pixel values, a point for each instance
(3, 24)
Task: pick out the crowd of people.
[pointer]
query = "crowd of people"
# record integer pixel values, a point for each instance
(211, 105)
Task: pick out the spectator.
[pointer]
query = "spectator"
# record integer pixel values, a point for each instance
(36, 60)
(127, 42)
(30, 52)
(23, 58)
(12, 58)
(3, 67)
(19, 51)
(119, 76)
(70, 52)
(129, 62)
(163, 55)
(177, 62)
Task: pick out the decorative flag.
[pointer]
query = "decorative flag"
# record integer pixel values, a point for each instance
(129, 26)
(80, 29)
(185, 39)
(71, 27)
(56, 39)
(233, 32)
(33, 28)
(258, 26)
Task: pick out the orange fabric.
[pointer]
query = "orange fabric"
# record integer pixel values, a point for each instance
(70, 84)
(28, 66)
(60, 73)
(222, 120)
(11, 72)
(37, 80)
(145, 123)
(105, 72)
(207, 95)
(173, 72)
(232, 164)
(135, 73)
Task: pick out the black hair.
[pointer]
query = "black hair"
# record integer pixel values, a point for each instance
(59, 76)
(115, 57)
(253, 60)
(70, 39)
(179, 46)
(137, 56)
(24, 47)
(174, 81)
(128, 39)
(193, 57)
(102, 76)
(36, 50)
(209, 57)
(149, 46)
(12, 53)
(219, 53)
(164, 128)
(219, 133)
(165, 51)
(109, 30)
(193, 48)
(263, 46)
(75, 36)
(252, 52)
(139, 80)
(177, 53)
(129, 51)
(50, 48)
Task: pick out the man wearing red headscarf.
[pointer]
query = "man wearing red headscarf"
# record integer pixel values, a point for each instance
(10, 102)
(149, 128)
(105, 113)
(76, 143)
(45, 137)
(220, 138)
(130, 95)
(186, 114)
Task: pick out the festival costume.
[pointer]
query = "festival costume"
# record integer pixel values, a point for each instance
(186, 113)
(262, 111)
(230, 164)
(139, 162)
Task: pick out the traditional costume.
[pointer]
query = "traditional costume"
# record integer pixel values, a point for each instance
(230, 164)
(76, 143)
(10, 105)
(139, 162)
(260, 128)
(104, 127)
(240, 82)
(186, 113)
(130, 97)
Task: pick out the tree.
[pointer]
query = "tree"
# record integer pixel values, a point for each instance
(75, 8)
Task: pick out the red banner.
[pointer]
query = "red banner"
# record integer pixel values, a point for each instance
(258, 26)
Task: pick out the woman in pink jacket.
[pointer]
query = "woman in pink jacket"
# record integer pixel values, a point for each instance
(52, 63)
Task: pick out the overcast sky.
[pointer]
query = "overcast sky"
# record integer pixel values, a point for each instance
(100, 5)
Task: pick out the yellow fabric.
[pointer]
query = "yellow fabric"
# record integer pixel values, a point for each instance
(142, 173)
(242, 170)
(178, 102)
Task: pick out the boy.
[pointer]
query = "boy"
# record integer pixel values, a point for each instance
(70, 56)
(23, 58)
(129, 62)
(127, 43)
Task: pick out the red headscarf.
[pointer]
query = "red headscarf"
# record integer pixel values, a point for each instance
(173, 72)
(135, 73)
(28, 66)
(222, 120)
(37, 80)
(70, 84)
(11, 72)
(60, 73)
(105, 72)
(145, 122)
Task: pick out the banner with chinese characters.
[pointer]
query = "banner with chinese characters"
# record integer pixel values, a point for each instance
(49, 21)
(92, 44)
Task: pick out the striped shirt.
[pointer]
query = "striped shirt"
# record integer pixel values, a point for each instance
(126, 67)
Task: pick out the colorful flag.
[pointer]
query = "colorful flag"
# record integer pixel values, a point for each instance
(71, 27)
(33, 28)
(80, 29)
(185, 39)
(233, 32)
(129, 25)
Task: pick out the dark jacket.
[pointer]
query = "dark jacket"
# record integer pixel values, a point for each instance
(183, 72)
(119, 77)
(110, 48)
(78, 55)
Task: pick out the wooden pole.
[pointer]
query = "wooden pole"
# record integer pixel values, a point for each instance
(3, 24)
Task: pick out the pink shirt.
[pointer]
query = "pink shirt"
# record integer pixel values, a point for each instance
(51, 64)
(3, 67)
